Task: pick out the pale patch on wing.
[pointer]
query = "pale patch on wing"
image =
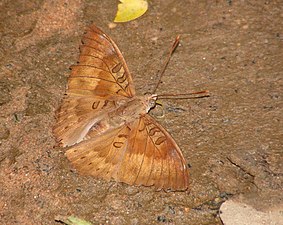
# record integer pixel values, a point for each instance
(76, 116)
(100, 156)
(101, 69)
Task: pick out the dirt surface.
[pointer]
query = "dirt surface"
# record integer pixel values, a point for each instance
(231, 140)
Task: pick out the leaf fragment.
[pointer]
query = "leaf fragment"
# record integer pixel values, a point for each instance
(71, 220)
(130, 9)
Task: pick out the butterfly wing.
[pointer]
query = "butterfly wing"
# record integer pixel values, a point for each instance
(141, 153)
(153, 158)
(101, 70)
(100, 78)
(76, 117)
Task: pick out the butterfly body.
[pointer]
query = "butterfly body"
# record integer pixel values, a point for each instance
(125, 112)
(106, 126)
(133, 109)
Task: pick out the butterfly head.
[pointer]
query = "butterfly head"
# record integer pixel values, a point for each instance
(150, 101)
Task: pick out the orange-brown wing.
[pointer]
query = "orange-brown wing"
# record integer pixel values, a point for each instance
(141, 153)
(99, 79)
(76, 116)
(99, 156)
(153, 158)
(101, 69)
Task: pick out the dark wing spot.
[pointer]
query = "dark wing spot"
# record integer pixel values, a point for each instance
(160, 140)
(153, 131)
(122, 136)
(117, 68)
(105, 103)
(122, 78)
(117, 92)
(95, 104)
(118, 144)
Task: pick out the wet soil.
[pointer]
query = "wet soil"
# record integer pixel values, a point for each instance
(231, 140)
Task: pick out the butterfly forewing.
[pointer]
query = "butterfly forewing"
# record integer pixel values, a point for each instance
(101, 76)
(108, 139)
(101, 70)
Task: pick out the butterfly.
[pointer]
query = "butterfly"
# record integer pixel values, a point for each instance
(106, 126)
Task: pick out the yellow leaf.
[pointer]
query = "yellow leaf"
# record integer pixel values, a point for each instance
(130, 9)
(71, 220)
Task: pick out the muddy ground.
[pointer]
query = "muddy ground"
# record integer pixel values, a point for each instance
(231, 140)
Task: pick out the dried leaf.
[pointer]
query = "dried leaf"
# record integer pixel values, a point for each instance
(130, 9)
(72, 220)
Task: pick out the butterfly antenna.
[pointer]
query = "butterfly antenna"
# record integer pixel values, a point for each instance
(173, 48)
(199, 94)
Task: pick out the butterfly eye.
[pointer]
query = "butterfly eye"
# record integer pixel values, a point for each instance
(152, 103)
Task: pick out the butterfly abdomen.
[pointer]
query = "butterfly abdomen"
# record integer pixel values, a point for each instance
(126, 112)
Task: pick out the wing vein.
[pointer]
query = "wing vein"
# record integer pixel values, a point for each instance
(92, 56)
(91, 66)
(144, 151)
(98, 78)
(99, 43)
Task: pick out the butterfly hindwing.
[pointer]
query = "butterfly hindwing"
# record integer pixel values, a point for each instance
(77, 115)
(141, 153)
(100, 156)
(153, 158)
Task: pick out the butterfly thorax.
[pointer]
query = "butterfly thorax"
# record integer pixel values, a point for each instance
(131, 110)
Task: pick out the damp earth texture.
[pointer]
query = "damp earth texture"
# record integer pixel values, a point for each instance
(232, 140)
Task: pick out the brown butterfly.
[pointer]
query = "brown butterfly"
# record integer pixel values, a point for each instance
(107, 125)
